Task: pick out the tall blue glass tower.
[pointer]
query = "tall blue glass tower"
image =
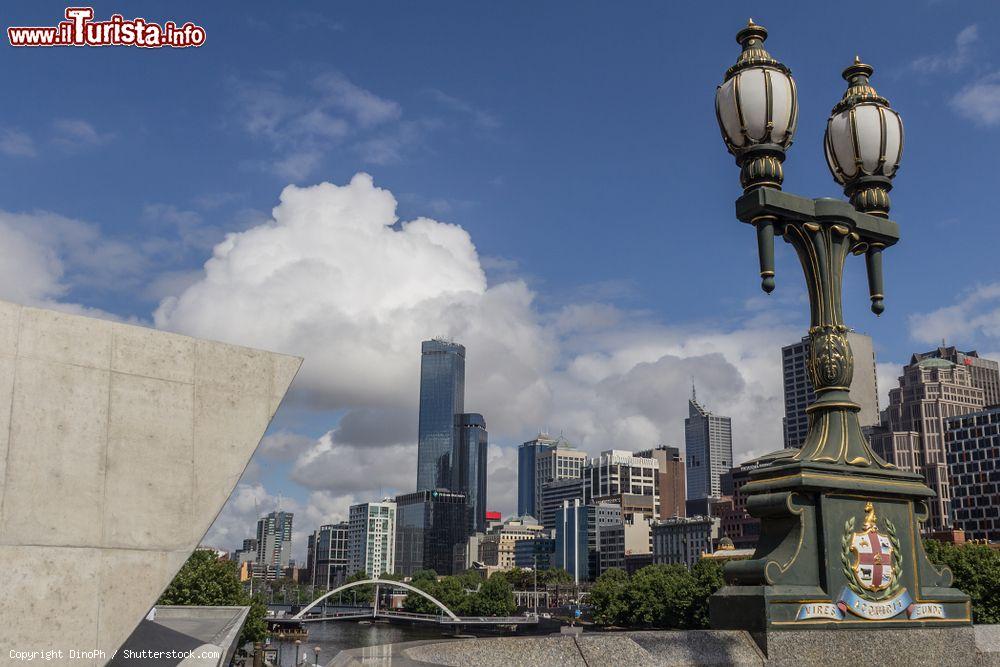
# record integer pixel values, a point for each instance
(442, 396)
(527, 461)
(468, 463)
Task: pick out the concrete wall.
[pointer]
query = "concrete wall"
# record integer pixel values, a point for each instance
(119, 446)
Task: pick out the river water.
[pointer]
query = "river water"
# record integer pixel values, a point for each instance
(332, 637)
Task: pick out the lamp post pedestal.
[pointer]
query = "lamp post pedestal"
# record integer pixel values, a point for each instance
(840, 528)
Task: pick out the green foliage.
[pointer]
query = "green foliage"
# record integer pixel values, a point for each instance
(495, 598)
(609, 596)
(661, 596)
(448, 591)
(205, 580)
(977, 573)
(708, 576)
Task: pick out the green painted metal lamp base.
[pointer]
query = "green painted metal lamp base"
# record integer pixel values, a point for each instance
(814, 546)
(840, 527)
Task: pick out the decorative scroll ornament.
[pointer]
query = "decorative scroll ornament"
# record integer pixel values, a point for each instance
(831, 362)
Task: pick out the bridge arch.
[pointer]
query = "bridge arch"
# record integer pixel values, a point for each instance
(377, 582)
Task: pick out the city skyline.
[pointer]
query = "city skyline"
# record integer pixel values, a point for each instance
(425, 203)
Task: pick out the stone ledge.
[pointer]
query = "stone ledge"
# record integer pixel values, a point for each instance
(977, 646)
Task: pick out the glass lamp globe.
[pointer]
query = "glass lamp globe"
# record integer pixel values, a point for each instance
(864, 142)
(757, 110)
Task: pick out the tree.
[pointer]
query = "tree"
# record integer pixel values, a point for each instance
(977, 573)
(448, 591)
(609, 596)
(662, 596)
(554, 575)
(205, 580)
(495, 598)
(708, 578)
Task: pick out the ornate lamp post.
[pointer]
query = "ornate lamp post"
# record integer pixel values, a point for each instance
(840, 527)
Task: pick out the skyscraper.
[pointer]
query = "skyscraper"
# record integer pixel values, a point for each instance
(469, 467)
(708, 440)
(527, 463)
(274, 543)
(974, 470)
(912, 433)
(371, 538)
(327, 556)
(442, 396)
(984, 373)
(429, 525)
(555, 464)
(799, 390)
(571, 539)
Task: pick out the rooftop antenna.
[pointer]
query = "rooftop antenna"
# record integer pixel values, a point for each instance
(694, 395)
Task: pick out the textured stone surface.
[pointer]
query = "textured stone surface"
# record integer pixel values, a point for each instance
(550, 651)
(988, 644)
(699, 647)
(961, 645)
(910, 646)
(118, 448)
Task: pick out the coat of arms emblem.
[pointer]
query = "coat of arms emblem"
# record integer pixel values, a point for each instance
(873, 555)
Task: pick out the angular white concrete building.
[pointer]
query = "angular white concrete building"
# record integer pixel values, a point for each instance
(119, 445)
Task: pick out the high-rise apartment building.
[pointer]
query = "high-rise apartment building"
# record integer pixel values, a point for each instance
(672, 487)
(442, 396)
(274, 543)
(429, 526)
(984, 373)
(973, 449)
(912, 433)
(371, 538)
(469, 467)
(708, 440)
(799, 390)
(559, 463)
(327, 557)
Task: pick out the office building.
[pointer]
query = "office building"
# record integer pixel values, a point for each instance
(248, 552)
(799, 390)
(327, 557)
(274, 544)
(442, 396)
(496, 548)
(684, 540)
(555, 464)
(371, 538)
(553, 494)
(429, 527)
(735, 522)
(623, 540)
(527, 464)
(973, 451)
(534, 554)
(571, 540)
(708, 441)
(600, 516)
(912, 433)
(984, 373)
(616, 473)
(469, 467)
(672, 485)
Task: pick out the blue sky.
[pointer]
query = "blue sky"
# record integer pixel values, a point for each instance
(576, 146)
